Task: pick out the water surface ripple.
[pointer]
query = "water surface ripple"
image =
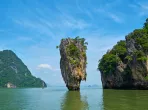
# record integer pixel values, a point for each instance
(58, 98)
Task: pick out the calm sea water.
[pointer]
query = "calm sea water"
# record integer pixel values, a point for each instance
(58, 98)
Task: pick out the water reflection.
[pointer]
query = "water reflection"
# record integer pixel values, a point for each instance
(125, 100)
(58, 99)
(73, 100)
(10, 98)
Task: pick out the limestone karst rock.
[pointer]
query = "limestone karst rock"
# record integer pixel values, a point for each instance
(14, 73)
(73, 61)
(125, 66)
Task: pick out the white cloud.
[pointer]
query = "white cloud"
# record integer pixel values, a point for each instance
(25, 38)
(144, 6)
(111, 15)
(77, 24)
(140, 7)
(67, 20)
(115, 17)
(37, 26)
(47, 66)
(144, 9)
(85, 10)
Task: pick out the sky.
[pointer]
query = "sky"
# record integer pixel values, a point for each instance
(33, 29)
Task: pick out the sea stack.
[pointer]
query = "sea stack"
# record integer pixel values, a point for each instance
(73, 62)
(125, 66)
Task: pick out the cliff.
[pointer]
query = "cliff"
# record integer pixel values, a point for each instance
(73, 61)
(125, 66)
(14, 73)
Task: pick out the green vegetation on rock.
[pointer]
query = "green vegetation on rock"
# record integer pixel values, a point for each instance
(125, 66)
(74, 52)
(141, 37)
(120, 49)
(119, 52)
(13, 70)
(109, 61)
(73, 61)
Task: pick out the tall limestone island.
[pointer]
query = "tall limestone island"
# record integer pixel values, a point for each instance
(14, 73)
(125, 66)
(73, 61)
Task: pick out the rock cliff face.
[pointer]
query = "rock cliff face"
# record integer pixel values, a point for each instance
(14, 73)
(73, 61)
(126, 65)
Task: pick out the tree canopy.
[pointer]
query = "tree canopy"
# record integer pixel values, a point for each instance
(119, 52)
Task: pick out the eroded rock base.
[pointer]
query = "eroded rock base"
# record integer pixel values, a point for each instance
(73, 88)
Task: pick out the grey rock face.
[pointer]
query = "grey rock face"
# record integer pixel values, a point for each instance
(138, 68)
(119, 79)
(128, 75)
(73, 62)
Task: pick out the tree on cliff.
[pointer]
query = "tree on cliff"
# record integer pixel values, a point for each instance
(73, 61)
(14, 71)
(126, 64)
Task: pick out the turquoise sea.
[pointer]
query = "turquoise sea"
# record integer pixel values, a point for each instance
(59, 98)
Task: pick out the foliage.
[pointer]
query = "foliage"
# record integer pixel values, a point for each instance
(140, 55)
(82, 41)
(129, 58)
(108, 63)
(143, 41)
(143, 58)
(141, 36)
(120, 49)
(13, 70)
(74, 52)
(83, 54)
(57, 47)
(146, 78)
(146, 24)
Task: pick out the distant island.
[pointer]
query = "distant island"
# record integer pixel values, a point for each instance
(14, 73)
(73, 61)
(125, 66)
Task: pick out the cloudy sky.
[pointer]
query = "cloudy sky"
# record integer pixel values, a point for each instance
(33, 28)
